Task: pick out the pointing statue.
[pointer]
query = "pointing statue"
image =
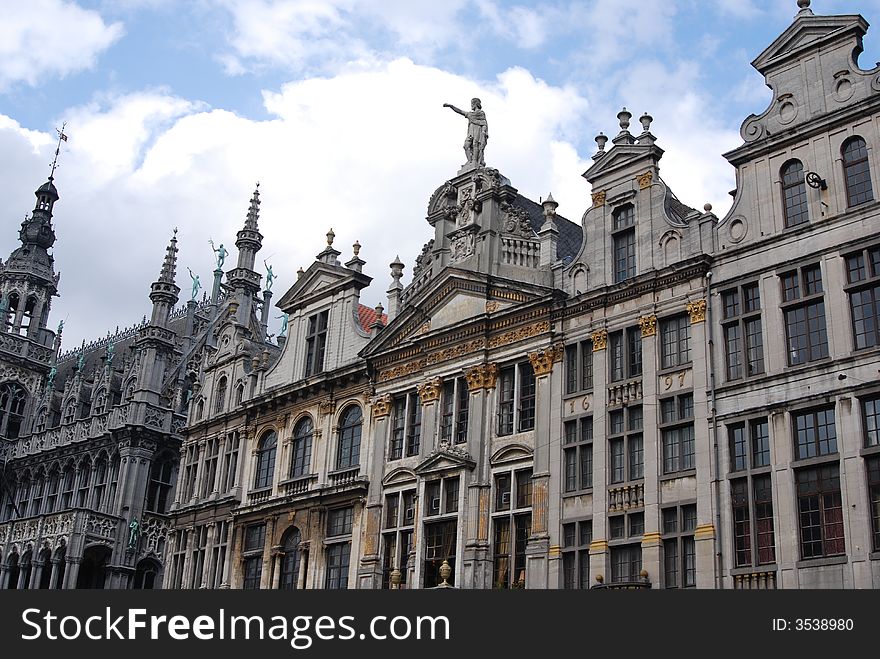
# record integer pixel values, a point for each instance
(196, 284)
(478, 132)
(270, 276)
(220, 252)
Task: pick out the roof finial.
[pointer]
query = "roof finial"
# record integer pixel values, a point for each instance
(254, 210)
(804, 6)
(61, 138)
(330, 236)
(169, 265)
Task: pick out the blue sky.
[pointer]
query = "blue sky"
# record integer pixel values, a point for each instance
(175, 110)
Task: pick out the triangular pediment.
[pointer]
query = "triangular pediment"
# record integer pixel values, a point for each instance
(807, 32)
(620, 156)
(445, 458)
(454, 299)
(319, 280)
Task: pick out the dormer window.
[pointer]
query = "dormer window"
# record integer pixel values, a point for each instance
(624, 238)
(794, 194)
(857, 172)
(316, 342)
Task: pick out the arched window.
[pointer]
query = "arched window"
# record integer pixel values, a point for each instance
(794, 194)
(12, 308)
(290, 560)
(52, 489)
(28, 315)
(239, 394)
(349, 450)
(85, 481)
(266, 460)
(68, 481)
(24, 494)
(69, 415)
(100, 486)
(42, 420)
(145, 574)
(114, 479)
(46, 573)
(857, 172)
(39, 491)
(12, 401)
(26, 567)
(301, 459)
(159, 489)
(200, 409)
(99, 406)
(60, 556)
(220, 397)
(12, 570)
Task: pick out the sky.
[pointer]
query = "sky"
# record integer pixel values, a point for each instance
(175, 109)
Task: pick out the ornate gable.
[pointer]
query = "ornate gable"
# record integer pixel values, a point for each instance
(445, 458)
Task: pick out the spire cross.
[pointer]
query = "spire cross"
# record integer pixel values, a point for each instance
(61, 138)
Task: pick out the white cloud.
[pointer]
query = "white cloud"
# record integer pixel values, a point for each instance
(42, 38)
(361, 152)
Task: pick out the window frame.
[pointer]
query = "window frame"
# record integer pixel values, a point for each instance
(856, 198)
(675, 331)
(577, 441)
(623, 237)
(316, 342)
(803, 300)
(748, 355)
(864, 280)
(673, 429)
(509, 565)
(795, 205)
(579, 367)
(516, 413)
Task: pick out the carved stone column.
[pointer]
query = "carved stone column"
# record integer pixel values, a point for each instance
(71, 573)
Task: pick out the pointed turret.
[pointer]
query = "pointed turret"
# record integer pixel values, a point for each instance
(244, 280)
(164, 292)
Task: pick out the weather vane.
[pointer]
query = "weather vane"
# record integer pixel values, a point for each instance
(61, 138)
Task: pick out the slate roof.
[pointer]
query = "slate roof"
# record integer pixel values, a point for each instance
(570, 234)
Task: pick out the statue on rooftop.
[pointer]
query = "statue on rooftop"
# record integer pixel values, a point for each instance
(478, 132)
(196, 284)
(220, 252)
(270, 276)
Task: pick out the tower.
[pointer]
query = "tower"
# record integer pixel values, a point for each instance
(243, 279)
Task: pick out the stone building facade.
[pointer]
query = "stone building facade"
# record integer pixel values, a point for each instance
(655, 397)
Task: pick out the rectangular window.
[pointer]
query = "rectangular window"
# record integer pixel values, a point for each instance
(626, 563)
(252, 553)
(625, 444)
(230, 461)
(757, 507)
(576, 539)
(577, 454)
(872, 464)
(820, 511)
(441, 496)
(863, 277)
(316, 343)
(440, 546)
(579, 367)
(516, 401)
(679, 548)
(218, 555)
(804, 311)
(871, 420)
(749, 450)
(209, 476)
(511, 533)
(339, 521)
(624, 240)
(741, 326)
(406, 426)
(677, 433)
(454, 402)
(625, 354)
(815, 433)
(675, 342)
(338, 556)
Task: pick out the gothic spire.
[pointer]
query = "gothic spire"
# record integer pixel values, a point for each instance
(253, 215)
(169, 265)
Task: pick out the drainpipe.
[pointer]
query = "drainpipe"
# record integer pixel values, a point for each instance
(716, 481)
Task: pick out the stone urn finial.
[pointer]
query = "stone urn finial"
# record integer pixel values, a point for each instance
(445, 572)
